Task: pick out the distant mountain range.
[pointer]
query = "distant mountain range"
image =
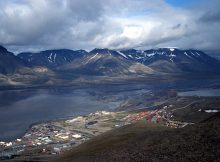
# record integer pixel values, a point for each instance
(51, 58)
(107, 63)
(173, 60)
(169, 60)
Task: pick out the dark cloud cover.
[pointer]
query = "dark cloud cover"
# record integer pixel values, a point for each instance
(211, 16)
(28, 25)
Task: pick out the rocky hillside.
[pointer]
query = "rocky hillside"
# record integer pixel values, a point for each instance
(143, 141)
(174, 60)
(9, 63)
(105, 61)
(51, 58)
(73, 66)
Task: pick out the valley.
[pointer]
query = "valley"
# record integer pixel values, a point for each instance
(159, 108)
(56, 102)
(109, 81)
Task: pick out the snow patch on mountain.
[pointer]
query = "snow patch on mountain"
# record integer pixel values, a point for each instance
(172, 55)
(130, 56)
(151, 54)
(122, 54)
(187, 54)
(93, 58)
(211, 111)
(54, 58)
(198, 53)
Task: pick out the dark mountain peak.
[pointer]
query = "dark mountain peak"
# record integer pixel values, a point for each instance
(3, 49)
(9, 63)
(52, 58)
(4, 52)
(164, 50)
(82, 51)
(190, 53)
(100, 50)
(167, 60)
(173, 50)
(167, 49)
(55, 50)
(58, 51)
(132, 51)
(189, 60)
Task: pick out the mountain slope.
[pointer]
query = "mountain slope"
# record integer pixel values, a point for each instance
(112, 62)
(9, 63)
(172, 60)
(150, 142)
(67, 65)
(51, 58)
(106, 62)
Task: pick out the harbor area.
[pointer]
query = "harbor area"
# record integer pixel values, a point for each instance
(53, 138)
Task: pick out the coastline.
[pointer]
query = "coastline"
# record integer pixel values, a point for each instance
(58, 136)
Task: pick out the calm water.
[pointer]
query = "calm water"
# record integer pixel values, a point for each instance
(202, 93)
(21, 108)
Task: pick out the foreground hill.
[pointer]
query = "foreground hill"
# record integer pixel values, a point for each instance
(144, 141)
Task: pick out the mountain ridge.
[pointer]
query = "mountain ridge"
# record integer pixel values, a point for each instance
(173, 60)
(51, 58)
(165, 60)
(70, 66)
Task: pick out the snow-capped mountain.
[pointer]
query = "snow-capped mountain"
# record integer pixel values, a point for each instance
(106, 62)
(112, 62)
(174, 60)
(51, 58)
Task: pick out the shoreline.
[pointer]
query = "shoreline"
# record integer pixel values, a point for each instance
(64, 133)
(56, 136)
(59, 119)
(47, 122)
(122, 82)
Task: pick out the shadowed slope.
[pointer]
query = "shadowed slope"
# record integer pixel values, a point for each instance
(150, 142)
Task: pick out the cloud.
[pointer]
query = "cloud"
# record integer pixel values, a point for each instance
(211, 16)
(117, 24)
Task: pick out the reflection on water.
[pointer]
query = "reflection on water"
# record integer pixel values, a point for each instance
(19, 109)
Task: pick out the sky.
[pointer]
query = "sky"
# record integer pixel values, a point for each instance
(34, 25)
